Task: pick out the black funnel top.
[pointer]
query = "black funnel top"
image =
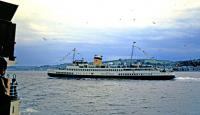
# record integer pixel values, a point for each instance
(7, 10)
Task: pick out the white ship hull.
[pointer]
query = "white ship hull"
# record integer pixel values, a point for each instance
(116, 73)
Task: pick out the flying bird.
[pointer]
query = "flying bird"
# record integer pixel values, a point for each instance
(45, 39)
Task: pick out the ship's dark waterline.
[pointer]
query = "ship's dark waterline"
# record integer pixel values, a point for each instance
(158, 77)
(43, 95)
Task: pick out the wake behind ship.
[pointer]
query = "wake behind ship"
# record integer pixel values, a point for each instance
(81, 69)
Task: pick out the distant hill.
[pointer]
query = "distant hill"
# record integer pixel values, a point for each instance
(142, 61)
(176, 65)
(194, 63)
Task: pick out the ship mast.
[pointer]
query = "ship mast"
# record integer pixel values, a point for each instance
(74, 51)
(133, 46)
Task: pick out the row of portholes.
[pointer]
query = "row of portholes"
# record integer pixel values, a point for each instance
(130, 74)
(95, 69)
(68, 73)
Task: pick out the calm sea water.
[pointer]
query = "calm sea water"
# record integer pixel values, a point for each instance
(42, 95)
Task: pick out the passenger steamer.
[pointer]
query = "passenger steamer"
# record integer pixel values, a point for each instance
(81, 69)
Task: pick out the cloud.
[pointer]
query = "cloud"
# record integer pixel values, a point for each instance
(164, 28)
(95, 20)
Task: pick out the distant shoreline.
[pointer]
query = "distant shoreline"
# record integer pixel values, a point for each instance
(187, 65)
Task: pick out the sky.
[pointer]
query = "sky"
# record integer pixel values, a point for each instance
(48, 30)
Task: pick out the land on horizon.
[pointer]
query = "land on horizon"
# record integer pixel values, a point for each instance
(186, 65)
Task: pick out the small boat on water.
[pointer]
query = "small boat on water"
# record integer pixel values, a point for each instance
(81, 69)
